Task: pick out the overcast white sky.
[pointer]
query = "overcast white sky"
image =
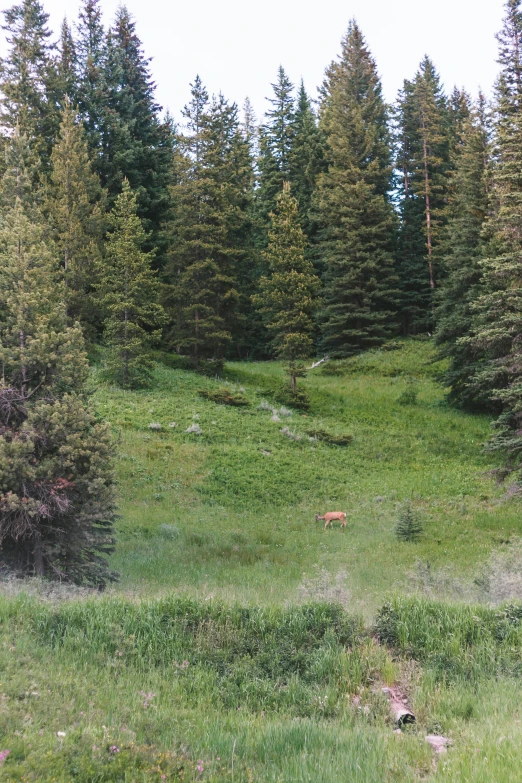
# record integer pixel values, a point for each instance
(237, 45)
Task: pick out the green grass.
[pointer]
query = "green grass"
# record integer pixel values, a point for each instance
(223, 654)
(242, 497)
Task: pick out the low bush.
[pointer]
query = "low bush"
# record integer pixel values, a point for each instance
(285, 395)
(408, 396)
(328, 437)
(224, 396)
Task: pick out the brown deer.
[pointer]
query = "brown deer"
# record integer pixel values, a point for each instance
(330, 516)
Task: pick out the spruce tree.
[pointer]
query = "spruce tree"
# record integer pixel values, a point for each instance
(91, 54)
(306, 159)
(461, 251)
(209, 229)
(28, 78)
(495, 339)
(21, 170)
(128, 296)
(135, 143)
(56, 485)
(74, 203)
(423, 158)
(287, 298)
(275, 148)
(355, 216)
(66, 67)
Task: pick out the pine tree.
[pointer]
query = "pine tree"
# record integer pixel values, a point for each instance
(356, 219)
(409, 523)
(462, 249)
(424, 160)
(275, 148)
(495, 338)
(74, 204)
(287, 299)
(209, 229)
(27, 77)
(128, 295)
(56, 485)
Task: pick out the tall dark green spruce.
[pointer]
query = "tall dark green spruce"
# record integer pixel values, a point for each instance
(276, 138)
(128, 296)
(287, 297)
(306, 160)
(57, 504)
(209, 228)
(136, 143)
(495, 339)
(91, 53)
(461, 250)
(28, 78)
(74, 203)
(356, 219)
(423, 158)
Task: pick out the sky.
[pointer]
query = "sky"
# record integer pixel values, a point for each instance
(236, 46)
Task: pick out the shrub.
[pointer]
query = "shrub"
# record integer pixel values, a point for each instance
(408, 396)
(224, 396)
(297, 398)
(409, 523)
(194, 429)
(287, 432)
(328, 437)
(155, 426)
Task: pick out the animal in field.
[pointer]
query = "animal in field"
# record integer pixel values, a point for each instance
(330, 516)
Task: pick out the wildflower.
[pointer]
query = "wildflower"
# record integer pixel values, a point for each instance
(173, 424)
(3, 755)
(147, 698)
(61, 734)
(114, 749)
(200, 766)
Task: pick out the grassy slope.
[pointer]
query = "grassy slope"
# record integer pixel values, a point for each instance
(246, 518)
(241, 528)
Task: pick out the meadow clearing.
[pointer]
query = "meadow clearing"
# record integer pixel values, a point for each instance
(243, 642)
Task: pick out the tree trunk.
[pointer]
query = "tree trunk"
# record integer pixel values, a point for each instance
(39, 563)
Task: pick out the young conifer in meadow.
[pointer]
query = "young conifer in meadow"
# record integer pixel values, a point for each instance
(128, 296)
(356, 219)
(287, 297)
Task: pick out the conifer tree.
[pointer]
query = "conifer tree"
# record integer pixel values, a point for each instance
(66, 67)
(56, 485)
(275, 146)
(91, 54)
(74, 204)
(356, 219)
(21, 171)
(306, 159)
(461, 250)
(495, 339)
(287, 298)
(209, 229)
(135, 143)
(27, 77)
(128, 295)
(424, 160)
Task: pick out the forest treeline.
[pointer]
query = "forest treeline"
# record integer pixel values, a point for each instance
(331, 226)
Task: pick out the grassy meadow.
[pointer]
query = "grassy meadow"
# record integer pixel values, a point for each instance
(243, 641)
